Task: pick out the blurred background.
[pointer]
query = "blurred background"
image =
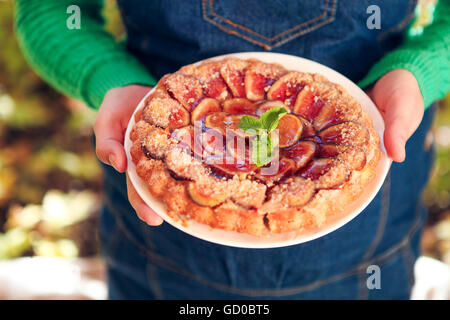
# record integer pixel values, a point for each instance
(50, 181)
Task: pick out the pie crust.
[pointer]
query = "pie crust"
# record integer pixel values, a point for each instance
(326, 150)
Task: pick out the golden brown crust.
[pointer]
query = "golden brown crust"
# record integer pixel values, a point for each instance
(338, 138)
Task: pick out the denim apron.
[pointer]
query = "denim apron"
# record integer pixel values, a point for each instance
(164, 263)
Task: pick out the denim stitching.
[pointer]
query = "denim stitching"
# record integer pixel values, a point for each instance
(260, 43)
(236, 25)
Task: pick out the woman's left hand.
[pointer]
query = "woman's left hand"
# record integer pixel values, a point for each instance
(397, 96)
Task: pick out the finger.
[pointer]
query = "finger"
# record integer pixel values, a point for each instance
(401, 120)
(109, 142)
(143, 211)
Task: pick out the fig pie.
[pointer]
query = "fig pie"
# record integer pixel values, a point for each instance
(189, 147)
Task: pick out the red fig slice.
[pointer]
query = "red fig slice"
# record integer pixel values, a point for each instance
(230, 168)
(206, 106)
(295, 192)
(156, 144)
(275, 170)
(353, 156)
(328, 116)
(270, 105)
(288, 86)
(302, 152)
(186, 89)
(223, 122)
(308, 130)
(289, 130)
(345, 133)
(233, 72)
(166, 113)
(307, 104)
(326, 172)
(232, 122)
(212, 142)
(239, 106)
(259, 77)
(205, 195)
(212, 82)
(216, 121)
(183, 165)
(184, 136)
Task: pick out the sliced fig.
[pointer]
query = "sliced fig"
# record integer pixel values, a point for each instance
(349, 132)
(289, 130)
(223, 122)
(166, 113)
(353, 156)
(212, 142)
(184, 136)
(259, 77)
(288, 86)
(184, 88)
(184, 165)
(205, 195)
(205, 107)
(232, 122)
(263, 107)
(216, 121)
(328, 116)
(308, 129)
(230, 167)
(156, 144)
(275, 170)
(233, 72)
(307, 104)
(327, 173)
(302, 152)
(212, 82)
(239, 106)
(295, 192)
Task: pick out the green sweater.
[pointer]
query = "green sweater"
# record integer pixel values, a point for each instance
(85, 63)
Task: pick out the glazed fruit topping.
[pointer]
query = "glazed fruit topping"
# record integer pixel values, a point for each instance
(239, 106)
(302, 152)
(205, 107)
(219, 115)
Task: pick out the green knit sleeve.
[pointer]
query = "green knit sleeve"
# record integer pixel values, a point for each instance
(84, 63)
(427, 56)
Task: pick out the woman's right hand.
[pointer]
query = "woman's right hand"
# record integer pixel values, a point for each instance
(109, 127)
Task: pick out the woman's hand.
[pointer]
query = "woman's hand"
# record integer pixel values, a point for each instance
(397, 96)
(109, 127)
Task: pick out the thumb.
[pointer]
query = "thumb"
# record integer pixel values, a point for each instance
(400, 124)
(397, 96)
(402, 111)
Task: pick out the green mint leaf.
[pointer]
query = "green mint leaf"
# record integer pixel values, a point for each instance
(248, 122)
(269, 119)
(262, 149)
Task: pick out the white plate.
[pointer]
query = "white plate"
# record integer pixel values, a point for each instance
(286, 239)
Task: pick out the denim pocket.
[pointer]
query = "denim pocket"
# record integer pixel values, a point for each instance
(268, 24)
